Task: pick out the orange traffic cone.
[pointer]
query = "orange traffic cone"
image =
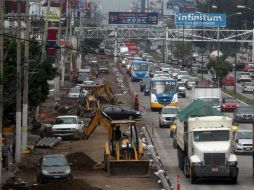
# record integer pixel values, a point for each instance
(178, 183)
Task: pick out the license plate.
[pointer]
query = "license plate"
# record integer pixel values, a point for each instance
(247, 148)
(215, 169)
(56, 177)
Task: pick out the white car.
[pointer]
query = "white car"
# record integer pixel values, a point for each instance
(244, 77)
(181, 74)
(68, 126)
(185, 78)
(243, 141)
(175, 73)
(167, 116)
(181, 89)
(248, 87)
(191, 83)
(74, 92)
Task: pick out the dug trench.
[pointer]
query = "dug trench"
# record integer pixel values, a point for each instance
(86, 157)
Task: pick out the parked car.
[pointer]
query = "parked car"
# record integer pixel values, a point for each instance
(243, 141)
(74, 92)
(181, 89)
(244, 77)
(116, 112)
(68, 126)
(228, 81)
(167, 116)
(229, 104)
(191, 82)
(244, 114)
(248, 87)
(54, 167)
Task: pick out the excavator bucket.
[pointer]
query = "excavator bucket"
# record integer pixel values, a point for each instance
(129, 168)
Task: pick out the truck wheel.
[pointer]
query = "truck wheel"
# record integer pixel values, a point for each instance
(180, 156)
(234, 180)
(185, 168)
(192, 179)
(171, 134)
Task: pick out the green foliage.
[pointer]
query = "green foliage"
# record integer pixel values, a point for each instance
(39, 73)
(182, 50)
(90, 45)
(220, 66)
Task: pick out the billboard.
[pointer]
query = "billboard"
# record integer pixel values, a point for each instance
(201, 19)
(133, 18)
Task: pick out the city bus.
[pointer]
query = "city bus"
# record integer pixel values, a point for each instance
(139, 70)
(163, 92)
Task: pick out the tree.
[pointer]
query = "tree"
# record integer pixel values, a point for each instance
(182, 50)
(39, 73)
(220, 66)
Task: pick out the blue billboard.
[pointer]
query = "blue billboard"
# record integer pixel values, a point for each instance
(133, 18)
(201, 19)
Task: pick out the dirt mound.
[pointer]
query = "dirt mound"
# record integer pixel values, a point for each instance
(77, 185)
(80, 161)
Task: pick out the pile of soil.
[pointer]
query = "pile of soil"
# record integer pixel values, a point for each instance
(78, 184)
(80, 161)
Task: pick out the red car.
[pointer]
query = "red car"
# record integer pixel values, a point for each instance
(229, 104)
(228, 81)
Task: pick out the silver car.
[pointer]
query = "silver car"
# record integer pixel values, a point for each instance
(167, 116)
(243, 141)
(248, 87)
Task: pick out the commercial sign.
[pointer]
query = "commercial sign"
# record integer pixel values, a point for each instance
(133, 18)
(201, 19)
(52, 15)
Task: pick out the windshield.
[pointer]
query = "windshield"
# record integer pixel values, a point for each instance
(246, 109)
(140, 67)
(249, 83)
(75, 90)
(212, 101)
(244, 134)
(54, 161)
(66, 120)
(164, 87)
(203, 136)
(169, 111)
(230, 100)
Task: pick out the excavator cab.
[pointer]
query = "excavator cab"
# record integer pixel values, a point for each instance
(123, 152)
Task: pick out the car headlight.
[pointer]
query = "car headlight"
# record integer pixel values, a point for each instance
(239, 144)
(234, 163)
(67, 171)
(138, 113)
(45, 172)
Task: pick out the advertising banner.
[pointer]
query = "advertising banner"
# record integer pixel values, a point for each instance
(133, 18)
(53, 15)
(201, 19)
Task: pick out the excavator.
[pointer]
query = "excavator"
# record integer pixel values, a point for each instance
(123, 152)
(91, 100)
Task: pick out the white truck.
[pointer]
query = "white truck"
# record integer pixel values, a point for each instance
(210, 95)
(205, 148)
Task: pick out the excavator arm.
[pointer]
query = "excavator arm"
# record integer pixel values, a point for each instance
(99, 117)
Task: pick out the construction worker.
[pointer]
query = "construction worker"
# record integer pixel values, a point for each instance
(136, 102)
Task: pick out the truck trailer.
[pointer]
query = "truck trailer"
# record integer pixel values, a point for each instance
(204, 140)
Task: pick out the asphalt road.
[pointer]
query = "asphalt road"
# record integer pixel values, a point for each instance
(168, 155)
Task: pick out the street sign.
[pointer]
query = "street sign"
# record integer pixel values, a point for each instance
(201, 19)
(133, 18)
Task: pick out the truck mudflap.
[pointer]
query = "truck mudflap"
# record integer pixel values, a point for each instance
(128, 168)
(214, 171)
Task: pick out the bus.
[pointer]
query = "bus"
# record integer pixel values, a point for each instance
(139, 70)
(163, 92)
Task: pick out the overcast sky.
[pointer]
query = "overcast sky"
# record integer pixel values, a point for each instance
(114, 5)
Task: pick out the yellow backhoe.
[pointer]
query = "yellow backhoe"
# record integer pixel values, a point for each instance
(123, 152)
(90, 102)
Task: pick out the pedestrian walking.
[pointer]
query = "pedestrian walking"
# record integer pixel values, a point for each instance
(136, 102)
(5, 153)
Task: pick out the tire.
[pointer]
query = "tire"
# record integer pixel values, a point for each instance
(171, 134)
(192, 179)
(131, 117)
(105, 162)
(234, 180)
(180, 156)
(40, 181)
(152, 109)
(174, 142)
(185, 169)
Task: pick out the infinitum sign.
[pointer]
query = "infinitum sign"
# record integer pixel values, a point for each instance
(201, 19)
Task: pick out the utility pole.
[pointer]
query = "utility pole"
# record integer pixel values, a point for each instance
(1, 79)
(45, 36)
(25, 84)
(18, 93)
(57, 64)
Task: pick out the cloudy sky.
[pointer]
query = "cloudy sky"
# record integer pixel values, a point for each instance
(114, 5)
